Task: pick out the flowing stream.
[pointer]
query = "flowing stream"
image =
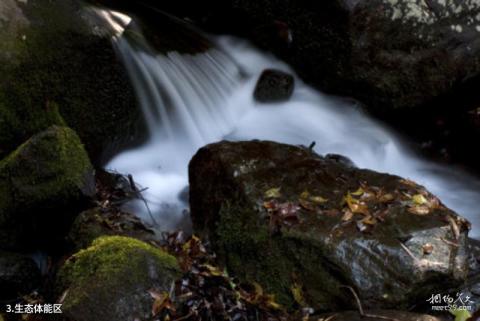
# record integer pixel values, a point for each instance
(192, 100)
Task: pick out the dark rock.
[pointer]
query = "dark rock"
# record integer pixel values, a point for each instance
(19, 275)
(59, 67)
(340, 159)
(274, 86)
(377, 315)
(113, 280)
(96, 222)
(297, 222)
(42, 183)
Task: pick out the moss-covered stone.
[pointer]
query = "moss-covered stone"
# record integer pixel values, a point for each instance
(110, 280)
(305, 226)
(41, 183)
(97, 222)
(61, 61)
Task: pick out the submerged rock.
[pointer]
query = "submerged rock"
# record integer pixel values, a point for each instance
(41, 184)
(304, 226)
(274, 86)
(116, 278)
(59, 67)
(19, 275)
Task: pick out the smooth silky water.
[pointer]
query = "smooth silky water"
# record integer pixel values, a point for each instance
(192, 100)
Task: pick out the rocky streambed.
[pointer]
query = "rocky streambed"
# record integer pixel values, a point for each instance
(279, 231)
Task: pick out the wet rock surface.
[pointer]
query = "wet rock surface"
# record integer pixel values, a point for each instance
(274, 86)
(42, 183)
(116, 278)
(304, 226)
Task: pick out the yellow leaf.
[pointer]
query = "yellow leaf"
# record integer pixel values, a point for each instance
(273, 193)
(419, 199)
(369, 220)
(358, 192)
(271, 302)
(297, 293)
(386, 198)
(213, 270)
(305, 195)
(318, 199)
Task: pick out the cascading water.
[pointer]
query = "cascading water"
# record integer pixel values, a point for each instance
(191, 100)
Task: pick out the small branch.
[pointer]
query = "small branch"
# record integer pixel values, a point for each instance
(409, 253)
(138, 193)
(360, 308)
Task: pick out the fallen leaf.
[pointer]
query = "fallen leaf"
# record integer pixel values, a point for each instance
(419, 199)
(386, 198)
(419, 210)
(347, 216)
(161, 301)
(369, 220)
(306, 205)
(273, 193)
(297, 293)
(318, 199)
(358, 192)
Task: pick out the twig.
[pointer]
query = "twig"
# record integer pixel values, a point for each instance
(360, 308)
(184, 317)
(140, 196)
(409, 253)
(454, 226)
(449, 242)
(357, 299)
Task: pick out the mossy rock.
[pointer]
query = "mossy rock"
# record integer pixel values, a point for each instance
(42, 183)
(110, 280)
(59, 67)
(306, 226)
(97, 222)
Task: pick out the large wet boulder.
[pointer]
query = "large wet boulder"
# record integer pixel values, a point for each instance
(116, 278)
(58, 66)
(19, 275)
(42, 183)
(274, 86)
(304, 227)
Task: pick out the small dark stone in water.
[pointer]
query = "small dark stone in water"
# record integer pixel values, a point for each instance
(274, 86)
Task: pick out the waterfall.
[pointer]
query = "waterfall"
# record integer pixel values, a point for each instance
(191, 100)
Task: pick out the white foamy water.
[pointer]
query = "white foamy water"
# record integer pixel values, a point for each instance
(189, 101)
